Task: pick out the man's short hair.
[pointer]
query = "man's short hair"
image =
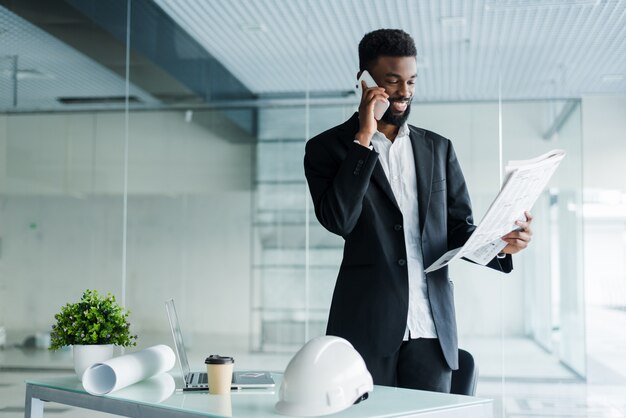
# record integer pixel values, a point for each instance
(385, 42)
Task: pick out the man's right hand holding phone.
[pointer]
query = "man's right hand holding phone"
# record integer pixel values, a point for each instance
(368, 123)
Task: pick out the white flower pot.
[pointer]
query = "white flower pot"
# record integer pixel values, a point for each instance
(86, 355)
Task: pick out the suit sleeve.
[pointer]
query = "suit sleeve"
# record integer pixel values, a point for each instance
(338, 185)
(460, 218)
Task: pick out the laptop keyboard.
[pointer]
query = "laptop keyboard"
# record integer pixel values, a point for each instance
(203, 378)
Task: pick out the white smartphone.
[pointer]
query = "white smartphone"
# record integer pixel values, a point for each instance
(379, 107)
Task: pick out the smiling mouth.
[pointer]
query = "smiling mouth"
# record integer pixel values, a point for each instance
(399, 106)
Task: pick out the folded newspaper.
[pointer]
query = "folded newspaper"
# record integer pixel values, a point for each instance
(524, 180)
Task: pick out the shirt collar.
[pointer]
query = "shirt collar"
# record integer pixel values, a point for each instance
(402, 132)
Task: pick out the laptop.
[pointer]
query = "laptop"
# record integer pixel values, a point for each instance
(198, 380)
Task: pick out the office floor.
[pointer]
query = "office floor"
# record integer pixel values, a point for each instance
(537, 385)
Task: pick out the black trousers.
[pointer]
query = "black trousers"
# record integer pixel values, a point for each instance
(418, 364)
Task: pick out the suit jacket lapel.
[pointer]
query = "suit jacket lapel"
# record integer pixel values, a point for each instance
(379, 177)
(424, 158)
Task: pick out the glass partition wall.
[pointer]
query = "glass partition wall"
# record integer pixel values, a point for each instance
(156, 168)
(61, 180)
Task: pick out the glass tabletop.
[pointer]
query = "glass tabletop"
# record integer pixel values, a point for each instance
(161, 391)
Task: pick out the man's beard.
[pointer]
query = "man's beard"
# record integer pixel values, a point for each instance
(397, 120)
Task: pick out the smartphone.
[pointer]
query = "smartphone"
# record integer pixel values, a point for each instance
(379, 107)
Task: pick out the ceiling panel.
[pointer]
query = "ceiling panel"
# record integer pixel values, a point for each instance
(468, 50)
(36, 69)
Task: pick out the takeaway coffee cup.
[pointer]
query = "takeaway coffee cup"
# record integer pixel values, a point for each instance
(220, 373)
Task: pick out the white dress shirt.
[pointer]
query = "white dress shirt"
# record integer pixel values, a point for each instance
(399, 165)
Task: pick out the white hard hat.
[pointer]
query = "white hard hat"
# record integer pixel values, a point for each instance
(325, 376)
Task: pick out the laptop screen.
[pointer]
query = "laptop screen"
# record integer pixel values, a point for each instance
(178, 337)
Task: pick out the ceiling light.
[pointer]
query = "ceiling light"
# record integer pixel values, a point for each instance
(536, 4)
(453, 21)
(253, 27)
(27, 74)
(612, 78)
(98, 100)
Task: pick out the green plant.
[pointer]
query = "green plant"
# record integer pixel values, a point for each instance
(93, 320)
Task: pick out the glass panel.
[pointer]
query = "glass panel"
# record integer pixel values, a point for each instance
(203, 130)
(216, 199)
(550, 271)
(604, 233)
(485, 328)
(189, 227)
(61, 148)
(297, 261)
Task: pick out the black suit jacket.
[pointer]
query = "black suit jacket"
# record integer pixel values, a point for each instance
(353, 198)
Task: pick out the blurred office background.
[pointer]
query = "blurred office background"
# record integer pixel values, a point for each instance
(153, 149)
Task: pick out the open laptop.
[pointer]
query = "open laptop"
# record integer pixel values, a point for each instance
(198, 380)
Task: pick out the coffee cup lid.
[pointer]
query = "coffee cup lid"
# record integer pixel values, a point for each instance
(217, 359)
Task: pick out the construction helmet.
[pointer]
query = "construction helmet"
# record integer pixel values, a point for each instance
(325, 376)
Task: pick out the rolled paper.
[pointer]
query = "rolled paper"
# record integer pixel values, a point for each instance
(122, 371)
(155, 389)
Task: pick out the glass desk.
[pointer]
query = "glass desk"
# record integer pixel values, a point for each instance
(156, 397)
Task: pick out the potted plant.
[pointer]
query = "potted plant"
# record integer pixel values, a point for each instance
(93, 326)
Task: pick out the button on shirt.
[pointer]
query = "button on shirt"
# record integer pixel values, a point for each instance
(399, 165)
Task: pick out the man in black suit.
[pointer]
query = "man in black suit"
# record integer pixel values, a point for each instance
(397, 196)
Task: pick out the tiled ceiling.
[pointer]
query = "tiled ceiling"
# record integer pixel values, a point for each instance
(533, 49)
(467, 49)
(37, 70)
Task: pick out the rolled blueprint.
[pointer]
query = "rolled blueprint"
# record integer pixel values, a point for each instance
(155, 389)
(119, 372)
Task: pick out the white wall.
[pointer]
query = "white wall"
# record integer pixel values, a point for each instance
(189, 210)
(604, 156)
(604, 129)
(604, 150)
(61, 218)
(80, 153)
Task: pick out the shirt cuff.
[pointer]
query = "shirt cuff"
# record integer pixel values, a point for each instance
(371, 147)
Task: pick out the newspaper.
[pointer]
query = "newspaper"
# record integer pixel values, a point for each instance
(524, 180)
